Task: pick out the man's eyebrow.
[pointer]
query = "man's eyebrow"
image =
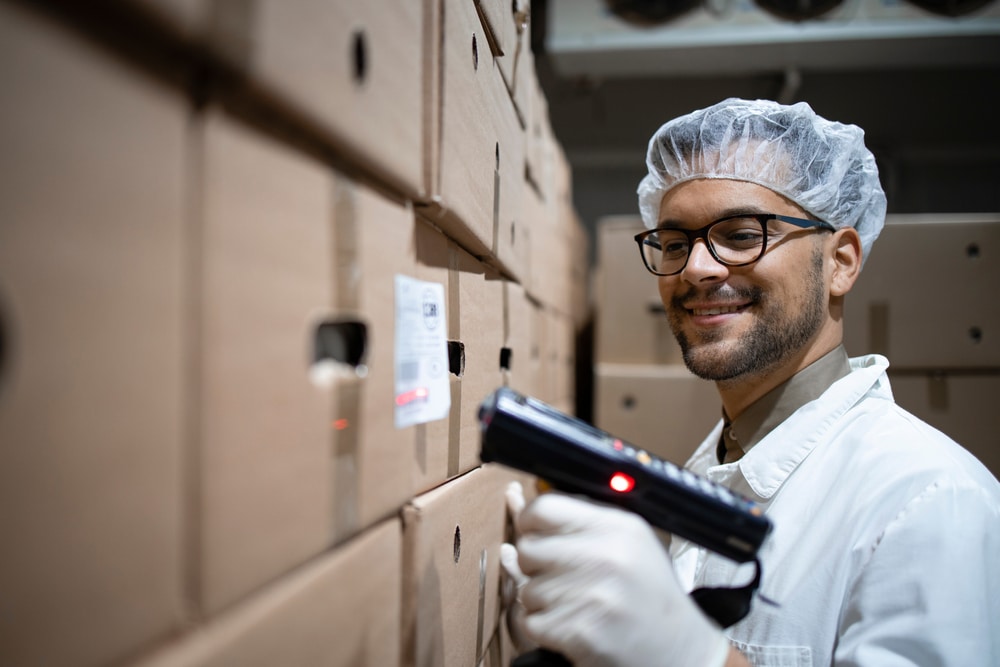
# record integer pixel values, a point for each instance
(670, 223)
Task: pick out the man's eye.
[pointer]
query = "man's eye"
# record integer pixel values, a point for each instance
(743, 237)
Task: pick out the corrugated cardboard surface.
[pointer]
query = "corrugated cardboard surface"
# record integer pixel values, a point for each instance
(630, 325)
(481, 330)
(265, 470)
(356, 68)
(340, 610)
(451, 577)
(521, 339)
(963, 406)
(373, 468)
(352, 72)
(92, 379)
(663, 409)
(436, 448)
(481, 141)
(187, 485)
(926, 297)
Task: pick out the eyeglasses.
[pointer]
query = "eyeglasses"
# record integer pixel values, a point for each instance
(736, 240)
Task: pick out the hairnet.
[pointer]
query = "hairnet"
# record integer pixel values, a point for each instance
(820, 165)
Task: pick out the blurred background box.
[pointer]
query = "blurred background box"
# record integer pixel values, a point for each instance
(341, 610)
(630, 325)
(265, 238)
(94, 271)
(926, 298)
(663, 409)
(961, 405)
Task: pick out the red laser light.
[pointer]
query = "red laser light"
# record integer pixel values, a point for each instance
(407, 397)
(621, 482)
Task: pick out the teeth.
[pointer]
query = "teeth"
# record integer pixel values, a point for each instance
(718, 310)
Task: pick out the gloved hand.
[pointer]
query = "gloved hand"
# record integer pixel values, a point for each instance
(514, 579)
(602, 590)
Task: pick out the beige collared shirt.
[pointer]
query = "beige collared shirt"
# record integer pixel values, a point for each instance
(778, 404)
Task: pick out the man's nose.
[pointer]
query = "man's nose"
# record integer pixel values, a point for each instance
(702, 266)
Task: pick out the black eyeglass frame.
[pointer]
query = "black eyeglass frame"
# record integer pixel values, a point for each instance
(702, 233)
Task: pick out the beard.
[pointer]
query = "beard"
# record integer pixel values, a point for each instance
(776, 335)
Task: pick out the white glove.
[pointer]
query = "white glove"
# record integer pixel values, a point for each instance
(602, 590)
(514, 580)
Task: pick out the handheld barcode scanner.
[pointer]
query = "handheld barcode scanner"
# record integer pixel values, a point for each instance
(575, 457)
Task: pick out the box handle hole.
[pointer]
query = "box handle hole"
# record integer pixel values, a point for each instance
(360, 53)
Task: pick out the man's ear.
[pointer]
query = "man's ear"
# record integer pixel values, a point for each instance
(847, 257)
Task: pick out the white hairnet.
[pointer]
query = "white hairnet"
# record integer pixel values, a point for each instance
(820, 165)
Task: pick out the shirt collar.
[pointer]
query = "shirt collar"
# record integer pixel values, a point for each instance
(781, 402)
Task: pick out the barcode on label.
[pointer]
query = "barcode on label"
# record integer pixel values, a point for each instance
(409, 370)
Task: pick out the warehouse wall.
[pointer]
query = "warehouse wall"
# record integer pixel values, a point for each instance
(259, 264)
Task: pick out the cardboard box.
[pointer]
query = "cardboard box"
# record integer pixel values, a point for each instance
(265, 502)
(481, 331)
(451, 569)
(925, 298)
(558, 272)
(356, 69)
(562, 352)
(436, 454)
(663, 409)
(522, 370)
(961, 405)
(475, 169)
(349, 74)
(630, 324)
(373, 460)
(538, 136)
(508, 27)
(341, 610)
(93, 385)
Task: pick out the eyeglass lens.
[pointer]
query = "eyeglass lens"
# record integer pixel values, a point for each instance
(733, 241)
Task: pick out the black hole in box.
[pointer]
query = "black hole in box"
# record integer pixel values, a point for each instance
(976, 334)
(972, 251)
(475, 54)
(505, 356)
(360, 52)
(628, 402)
(457, 545)
(456, 358)
(341, 341)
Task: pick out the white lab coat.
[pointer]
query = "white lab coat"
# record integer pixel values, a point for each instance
(886, 542)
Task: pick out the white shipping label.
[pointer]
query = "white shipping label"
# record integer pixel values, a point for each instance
(423, 389)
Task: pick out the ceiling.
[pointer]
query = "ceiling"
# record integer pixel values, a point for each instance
(924, 87)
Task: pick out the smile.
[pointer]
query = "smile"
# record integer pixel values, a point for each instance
(716, 310)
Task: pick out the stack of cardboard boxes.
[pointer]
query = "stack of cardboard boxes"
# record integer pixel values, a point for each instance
(924, 299)
(217, 220)
(643, 393)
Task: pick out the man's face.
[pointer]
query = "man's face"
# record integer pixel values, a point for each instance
(738, 323)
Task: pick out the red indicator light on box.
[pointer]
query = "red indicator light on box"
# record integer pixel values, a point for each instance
(617, 444)
(621, 482)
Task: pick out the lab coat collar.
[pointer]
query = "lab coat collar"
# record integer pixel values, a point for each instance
(768, 464)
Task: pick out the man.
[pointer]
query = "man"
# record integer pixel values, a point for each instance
(886, 540)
